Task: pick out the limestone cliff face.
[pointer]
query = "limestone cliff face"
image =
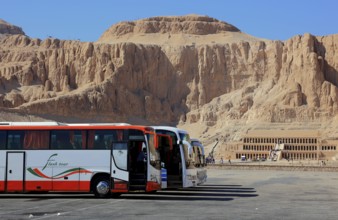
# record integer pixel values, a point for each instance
(191, 24)
(274, 81)
(7, 28)
(214, 83)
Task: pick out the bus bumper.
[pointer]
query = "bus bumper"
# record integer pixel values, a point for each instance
(152, 186)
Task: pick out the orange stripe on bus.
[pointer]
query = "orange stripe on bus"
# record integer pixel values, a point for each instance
(70, 186)
(38, 185)
(66, 186)
(84, 186)
(152, 186)
(120, 185)
(2, 186)
(14, 185)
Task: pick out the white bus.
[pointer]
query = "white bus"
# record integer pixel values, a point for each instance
(102, 158)
(178, 160)
(199, 161)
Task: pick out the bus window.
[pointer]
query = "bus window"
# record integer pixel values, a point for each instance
(170, 133)
(100, 139)
(136, 135)
(2, 140)
(78, 139)
(120, 135)
(15, 140)
(197, 155)
(120, 154)
(65, 139)
(200, 157)
(36, 140)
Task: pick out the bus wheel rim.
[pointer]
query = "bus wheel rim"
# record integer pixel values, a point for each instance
(102, 187)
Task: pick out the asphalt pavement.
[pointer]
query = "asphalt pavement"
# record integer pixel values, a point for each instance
(228, 194)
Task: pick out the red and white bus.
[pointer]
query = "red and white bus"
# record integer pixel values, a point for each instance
(98, 158)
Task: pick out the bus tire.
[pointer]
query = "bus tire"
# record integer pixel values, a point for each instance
(101, 187)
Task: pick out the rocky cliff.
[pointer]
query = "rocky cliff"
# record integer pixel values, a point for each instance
(7, 28)
(193, 71)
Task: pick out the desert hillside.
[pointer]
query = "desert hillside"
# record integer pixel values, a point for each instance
(7, 28)
(193, 71)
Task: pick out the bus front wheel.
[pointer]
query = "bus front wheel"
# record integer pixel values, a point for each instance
(101, 187)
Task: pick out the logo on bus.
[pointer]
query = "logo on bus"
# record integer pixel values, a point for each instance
(51, 163)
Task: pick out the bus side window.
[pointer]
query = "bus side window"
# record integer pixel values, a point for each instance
(36, 140)
(15, 140)
(99, 142)
(77, 139)
(2, 140)
(100, 139)
(61, 140)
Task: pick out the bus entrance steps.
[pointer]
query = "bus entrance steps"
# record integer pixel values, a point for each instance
(137, 181)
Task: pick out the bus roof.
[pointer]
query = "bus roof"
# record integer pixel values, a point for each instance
(42, 123)
(55, 123)
(169, 128)
(65, 126)
(198, 143)
(195, 139)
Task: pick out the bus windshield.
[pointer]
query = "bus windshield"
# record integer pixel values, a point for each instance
(197, 155)
(188, 160)
(154, 156)
(184, 137)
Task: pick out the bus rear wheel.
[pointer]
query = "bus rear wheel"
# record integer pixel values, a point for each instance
(101, 187)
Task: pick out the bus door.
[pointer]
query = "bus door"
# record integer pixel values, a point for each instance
(174, 166)
(120, 161)
(138, 163)
(165, 146)
(15, 171)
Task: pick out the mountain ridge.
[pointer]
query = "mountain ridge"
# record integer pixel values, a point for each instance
(213, 88)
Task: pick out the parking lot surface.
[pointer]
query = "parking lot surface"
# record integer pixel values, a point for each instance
(228, 194)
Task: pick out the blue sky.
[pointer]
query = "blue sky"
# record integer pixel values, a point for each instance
(86, 20)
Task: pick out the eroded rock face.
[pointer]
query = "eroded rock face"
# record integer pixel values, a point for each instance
(7, 28)
(192, 24)
(210, 84)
